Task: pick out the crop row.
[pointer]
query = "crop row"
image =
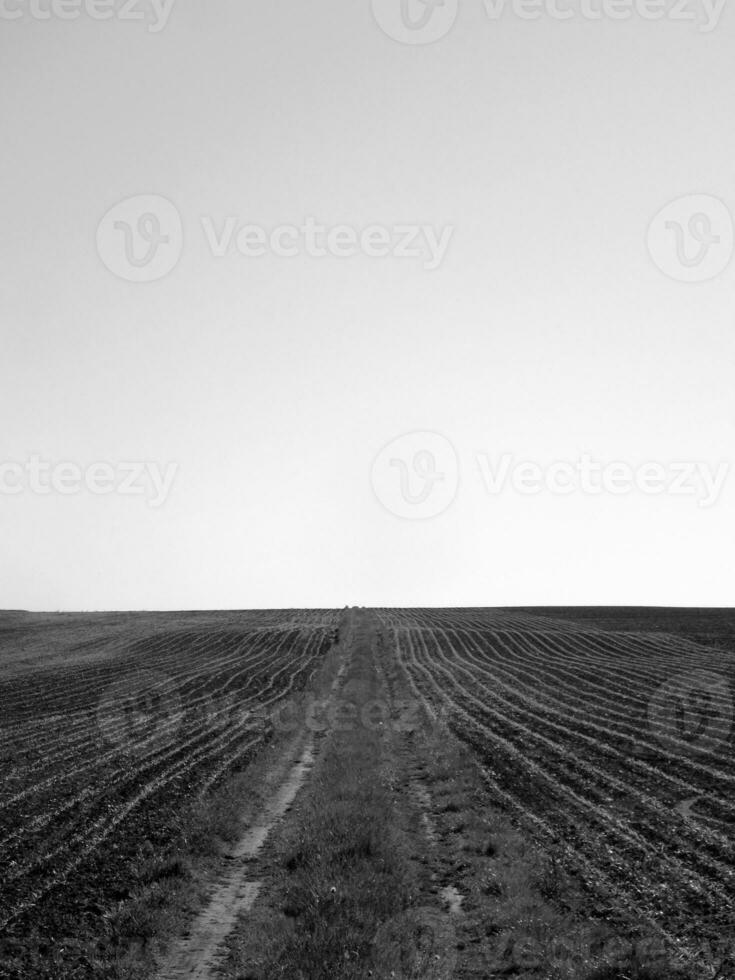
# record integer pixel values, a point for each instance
(119, 743)
(570, 743)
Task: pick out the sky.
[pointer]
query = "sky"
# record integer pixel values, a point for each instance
(290, 294)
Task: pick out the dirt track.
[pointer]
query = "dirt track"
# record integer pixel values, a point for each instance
(466, 896)
(197, 953)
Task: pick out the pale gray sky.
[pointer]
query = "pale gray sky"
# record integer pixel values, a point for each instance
(546, 332)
